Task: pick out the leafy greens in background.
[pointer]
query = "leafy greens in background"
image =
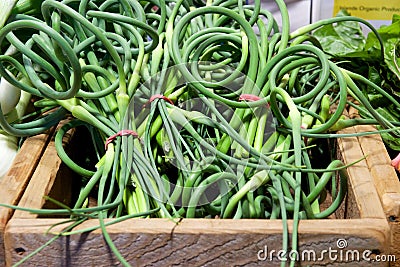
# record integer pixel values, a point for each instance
(362, 54)
(344, 39)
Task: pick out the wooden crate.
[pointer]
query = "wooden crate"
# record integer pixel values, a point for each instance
(360, 225)
(386, 182)
(15, 181)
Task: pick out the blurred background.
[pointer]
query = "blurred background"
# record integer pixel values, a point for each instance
(299, 11)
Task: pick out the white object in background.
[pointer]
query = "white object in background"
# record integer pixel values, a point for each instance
(6, 6)
(299, 11)
(9, 143)
(377, 13)
(9, 96)
(13, 103)
(9, 149)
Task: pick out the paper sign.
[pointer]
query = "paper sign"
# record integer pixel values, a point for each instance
(368, 9)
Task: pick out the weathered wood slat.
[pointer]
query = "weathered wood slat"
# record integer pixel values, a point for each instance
(193, 242)
(44, 179)
(366, 194)
(15, 181)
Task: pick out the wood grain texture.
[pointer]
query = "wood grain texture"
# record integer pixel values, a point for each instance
(43, 180)
(15, 181)
(360, 177)
(378, 160)
(193, 242)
